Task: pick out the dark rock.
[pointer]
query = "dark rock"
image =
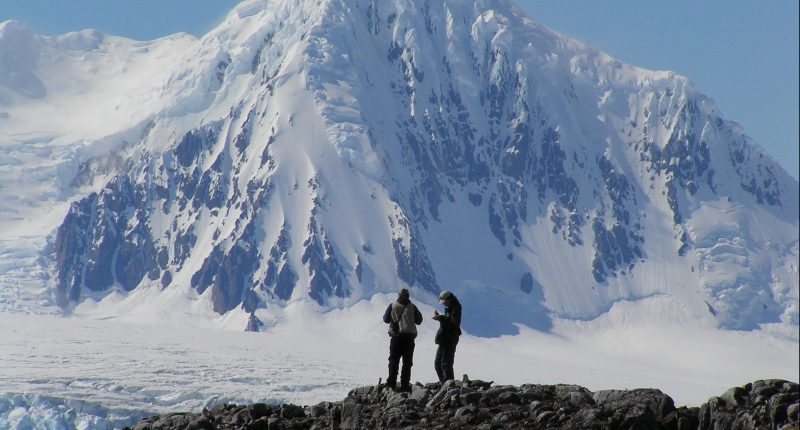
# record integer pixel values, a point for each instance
(254, 324)
(615, 250)
(455, 405)
(280, 278)
(258, 410)
(735, 396)
(327, 276)
(475, 199)
(508, 398)
(200, 423)
(318, 411)
(526, 283)
(166, 279)
(763, 404)
(143, 425)
(251, 301)
(258, 424)
(413, 266)
(491, 396)
(471, 398)
(480, 385)
(292, 411)
(496, 221)
(218, 409)
(71, 245)
(466, 410)
(545, 416)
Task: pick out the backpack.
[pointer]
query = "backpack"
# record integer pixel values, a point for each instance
(394, 326)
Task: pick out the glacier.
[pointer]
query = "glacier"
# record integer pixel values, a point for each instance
(104, 372)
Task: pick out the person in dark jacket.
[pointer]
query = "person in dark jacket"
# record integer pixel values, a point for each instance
(403, 318)
(447, 335)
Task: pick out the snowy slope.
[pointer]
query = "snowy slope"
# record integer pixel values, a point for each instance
(63, 101)
(324, 152)
(82, 373)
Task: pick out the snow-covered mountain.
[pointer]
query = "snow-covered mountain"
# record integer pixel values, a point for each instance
(326, 151)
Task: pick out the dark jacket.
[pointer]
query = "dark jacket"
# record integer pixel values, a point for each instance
(449, 323)
(403, 301)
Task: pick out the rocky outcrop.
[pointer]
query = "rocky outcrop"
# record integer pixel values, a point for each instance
(769, 404)
(763, 404)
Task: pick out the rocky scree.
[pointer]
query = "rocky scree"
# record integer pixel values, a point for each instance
(766, 404)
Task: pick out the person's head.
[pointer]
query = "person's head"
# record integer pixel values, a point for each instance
(403, 293)
(446, 298)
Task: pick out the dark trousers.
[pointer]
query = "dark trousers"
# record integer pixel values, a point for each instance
(443, 363)
(400, 346)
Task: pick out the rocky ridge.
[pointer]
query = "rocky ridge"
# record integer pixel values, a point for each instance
(765, 404)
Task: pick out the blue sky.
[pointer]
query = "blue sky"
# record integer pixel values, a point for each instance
(741, 53)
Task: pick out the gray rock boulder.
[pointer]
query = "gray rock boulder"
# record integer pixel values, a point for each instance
(767, 404)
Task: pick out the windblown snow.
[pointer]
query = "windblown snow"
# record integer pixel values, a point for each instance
(293, 168)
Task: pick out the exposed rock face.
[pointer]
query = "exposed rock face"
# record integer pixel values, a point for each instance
(104, 239)
(464, 145)
(770, 404)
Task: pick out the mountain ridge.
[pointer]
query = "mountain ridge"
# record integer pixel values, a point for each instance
(545, 151)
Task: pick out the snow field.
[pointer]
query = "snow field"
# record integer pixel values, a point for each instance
(122, 368)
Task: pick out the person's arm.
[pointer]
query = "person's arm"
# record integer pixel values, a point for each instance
(452, 318)
(417, 316)
(387, 316)
(455, 318)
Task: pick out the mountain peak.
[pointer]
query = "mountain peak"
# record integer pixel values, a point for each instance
(18, 54)
(324, 152)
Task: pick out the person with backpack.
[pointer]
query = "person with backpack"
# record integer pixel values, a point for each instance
(447, 335)
(403, 318)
